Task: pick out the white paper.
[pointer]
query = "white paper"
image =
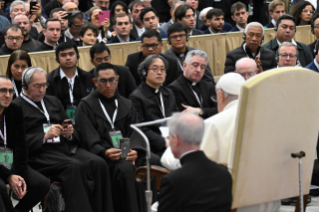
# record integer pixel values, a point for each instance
(164, 131)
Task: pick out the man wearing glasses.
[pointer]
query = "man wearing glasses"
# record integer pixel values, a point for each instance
(53, 148)
(75, 23)
(102, 118)
(287, 55)
(13, 39)
(177, 38)
(285, 31)
(151, 44)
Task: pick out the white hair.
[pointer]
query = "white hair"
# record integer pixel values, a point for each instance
(204, 12)
(196, 52)
(17, 2)
(246, 58)
(256, 24)
(27, 75)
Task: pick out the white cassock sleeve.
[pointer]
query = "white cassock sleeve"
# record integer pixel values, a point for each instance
(169, 161)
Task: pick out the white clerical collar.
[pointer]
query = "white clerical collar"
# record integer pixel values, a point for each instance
(140, 31)
(317, 65)
(186, 153)
(51, 45)
(171, 21)
(62, 74)
(123, 41)
(194, 83)
(273, 22)
(292, 41)
(240, 29)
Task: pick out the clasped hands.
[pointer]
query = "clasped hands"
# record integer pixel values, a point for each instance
(18, 185)
(115, 154)
(57, 130)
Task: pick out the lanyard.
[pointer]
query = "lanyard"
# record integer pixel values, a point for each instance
(180, 65)
(45, 112)
(15, 87)
(199, 100)
(71, 91)
(162, 108)
(4, 135)
(107, 115)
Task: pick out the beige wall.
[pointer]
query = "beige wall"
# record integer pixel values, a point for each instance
(216, 46)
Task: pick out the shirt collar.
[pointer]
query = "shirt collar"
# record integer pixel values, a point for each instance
(273, 22)
(123, 41)
(51, 45)
(240, 29)
(292, 41)
(62, 75)
(317, 65)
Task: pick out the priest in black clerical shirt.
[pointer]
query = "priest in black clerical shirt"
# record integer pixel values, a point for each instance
(191, 92)
(83, 175)
(102, 118)
(153, 101)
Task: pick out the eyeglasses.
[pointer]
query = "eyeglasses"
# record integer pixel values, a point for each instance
(3, 91)
(44, 85)
(248, 74)
(291, 56)
(316, 27)
(153, 46)
(14, 38)
(177, 36)
(96, 17)
(77, 26)
(156, 70)
(306, 11)
(104, 82)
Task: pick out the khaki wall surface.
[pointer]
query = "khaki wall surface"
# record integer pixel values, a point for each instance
(216, 46)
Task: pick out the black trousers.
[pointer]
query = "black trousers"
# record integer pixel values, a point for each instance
(128, 195)
(37, 187)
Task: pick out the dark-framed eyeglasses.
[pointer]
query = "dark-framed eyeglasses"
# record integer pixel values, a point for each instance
(104, 82)
(174, 37)
(3, 91)
(291, 56)
(153, 46)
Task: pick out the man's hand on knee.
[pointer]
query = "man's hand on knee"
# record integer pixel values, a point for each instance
(18, 185)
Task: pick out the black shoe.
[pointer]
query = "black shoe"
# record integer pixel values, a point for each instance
(293, 200)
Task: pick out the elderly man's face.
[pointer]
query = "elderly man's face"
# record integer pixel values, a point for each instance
(194, 70)
(16, 10)
(253, 39)
(287, 56)
(246, 69)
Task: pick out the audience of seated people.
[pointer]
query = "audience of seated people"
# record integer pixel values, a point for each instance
(103, 102)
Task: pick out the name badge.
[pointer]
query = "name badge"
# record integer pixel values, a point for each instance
(46, 128)
(116, 136)
(70, 111)
(6, 157)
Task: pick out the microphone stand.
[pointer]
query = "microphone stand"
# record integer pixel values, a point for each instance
(148, 192)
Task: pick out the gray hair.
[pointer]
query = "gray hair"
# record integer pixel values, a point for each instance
(246, 58)
(17, 2)
(20, 15)
(27, 75)
(204, 12)
(288, 44)
(147, 63)
(175, 2)
(256, 24)
(188, 127)
(197, 52)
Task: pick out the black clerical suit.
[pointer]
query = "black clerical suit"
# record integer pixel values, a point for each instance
(94, 128)
(184, 89)
(58, 87)
(126, 84)
(83, 176)
(45, 47)
(134, 60)
(17, 88)
(147, 102)
(37, 185)
(199, 185)
(4, 50)
(30, 45)
(179, 58)
(62, 39)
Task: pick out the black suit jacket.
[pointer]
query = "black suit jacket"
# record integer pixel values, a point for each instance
(199, 23)
(312, 48)
(184, 95)
(83, 85)
(199, 185)
(305, 55)
(133, 33)
(126, 84)
(133, 61)
(115, 39)
(15, 141)
(45, 47)
(269, 25)
(197, 32)
(5, 50)
(147, 106)
(267, 58)
(62, 39)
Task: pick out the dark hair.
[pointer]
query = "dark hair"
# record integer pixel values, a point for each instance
(120, 15)
(66, 45)
(56, 10)
(176, 27)
(50, 20)
(237, 6)
(312, 22)
(17, 55)
(180, 11)
(297, 10)
(146, 10)
(285, 17)
(104, 66)
(75, 14)
(88, 26)
(14, 27)
(144, 66)
(214, 12)
(98, 48)
(135, 3)
(151, 33)
(112, 10)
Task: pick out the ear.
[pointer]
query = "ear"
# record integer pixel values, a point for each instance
(232, 17)
(81, 37)
(184, 65)
(131, 26)
(94, 81)
(5, 38)
(44, 31)
(207, 22)
(114, 27)
(92, 62)
(271, 14)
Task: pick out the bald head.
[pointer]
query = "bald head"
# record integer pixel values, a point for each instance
(246, 67)
(75, 1)
(70, 7)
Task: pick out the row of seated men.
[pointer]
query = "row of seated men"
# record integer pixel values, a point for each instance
(100, 112)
